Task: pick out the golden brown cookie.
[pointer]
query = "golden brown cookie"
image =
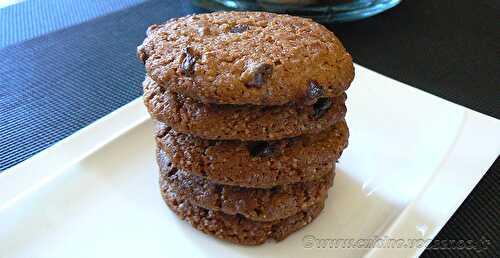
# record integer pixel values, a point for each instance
(236, 228)
(255, 164)
(247, 58)
(242, 122)
(252, 203)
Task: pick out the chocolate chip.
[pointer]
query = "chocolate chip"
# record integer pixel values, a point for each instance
(314, 90)
(261, 149)
(321, 106)
(173, 170)
(187, 66)
(239, 28)
(258, 75)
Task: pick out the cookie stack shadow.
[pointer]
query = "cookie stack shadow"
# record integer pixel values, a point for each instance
(255, 163)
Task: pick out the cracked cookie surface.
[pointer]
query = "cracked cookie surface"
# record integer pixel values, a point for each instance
(255, 164)
(246, 58)
(241, 122)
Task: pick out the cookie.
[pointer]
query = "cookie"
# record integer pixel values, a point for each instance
(246, 58)
(242, 122)
(253, 203)
(236, 228)
(255, 164)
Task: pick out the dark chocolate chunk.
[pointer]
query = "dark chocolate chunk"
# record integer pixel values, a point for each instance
(239, 28)
(261, 149)
(259, 75)
(171, 172)
(187, 66)
(321, 106)
(314, 91)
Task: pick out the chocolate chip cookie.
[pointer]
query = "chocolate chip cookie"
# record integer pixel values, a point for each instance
(255, 164)
(236, 228)
(247, 58)
(242, 122)
(253, 203)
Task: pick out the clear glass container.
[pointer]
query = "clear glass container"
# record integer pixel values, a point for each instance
(320, 10)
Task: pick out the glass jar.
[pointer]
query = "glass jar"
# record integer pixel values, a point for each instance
(320, 10)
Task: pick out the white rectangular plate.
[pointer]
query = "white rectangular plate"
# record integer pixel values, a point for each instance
(412, 160)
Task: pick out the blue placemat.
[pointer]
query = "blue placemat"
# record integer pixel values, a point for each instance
(33, 18)
(58, 83)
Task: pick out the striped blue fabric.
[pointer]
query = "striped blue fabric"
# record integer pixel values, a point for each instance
(53, 85)
(33, 18)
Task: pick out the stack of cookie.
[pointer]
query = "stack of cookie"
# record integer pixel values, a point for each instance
(250, 110)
